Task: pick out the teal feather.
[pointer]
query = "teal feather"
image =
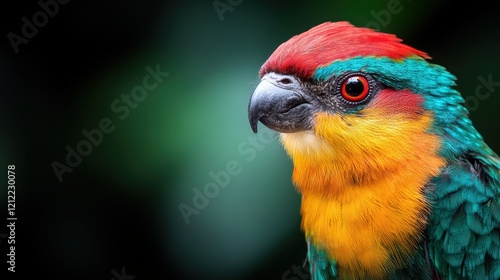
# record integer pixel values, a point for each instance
(321, 266)
(480, 273)
(467, 247)
(453, 200)
(478, 243)
(454, 260)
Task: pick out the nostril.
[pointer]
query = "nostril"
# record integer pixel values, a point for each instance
(285, 81)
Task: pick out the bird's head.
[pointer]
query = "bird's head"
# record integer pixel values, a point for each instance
(356, 100)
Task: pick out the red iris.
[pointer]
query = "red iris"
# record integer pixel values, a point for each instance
(355, 88)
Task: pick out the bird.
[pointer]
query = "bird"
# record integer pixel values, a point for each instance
(395, 181)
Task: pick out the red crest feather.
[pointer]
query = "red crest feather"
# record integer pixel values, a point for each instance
(302, 54)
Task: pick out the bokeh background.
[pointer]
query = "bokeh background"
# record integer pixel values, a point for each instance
(117, 213)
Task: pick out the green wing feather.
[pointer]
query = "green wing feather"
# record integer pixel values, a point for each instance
(464, 228)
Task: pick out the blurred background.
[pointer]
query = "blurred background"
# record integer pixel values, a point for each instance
(171, 182)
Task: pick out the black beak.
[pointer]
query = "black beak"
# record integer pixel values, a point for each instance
(279, 102)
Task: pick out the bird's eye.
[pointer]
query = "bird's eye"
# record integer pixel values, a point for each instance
(354, 88)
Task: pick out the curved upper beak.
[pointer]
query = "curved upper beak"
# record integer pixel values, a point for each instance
(280, 103)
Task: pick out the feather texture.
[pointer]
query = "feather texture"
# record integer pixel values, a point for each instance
(327, 42)
(465, 234)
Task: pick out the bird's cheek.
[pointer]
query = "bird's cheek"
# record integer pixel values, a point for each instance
(392, 102)
(333, 127)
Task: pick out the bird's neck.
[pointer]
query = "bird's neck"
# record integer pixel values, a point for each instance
(365, 207)
(346, 154)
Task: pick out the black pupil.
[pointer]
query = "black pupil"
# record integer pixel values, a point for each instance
(354, 87)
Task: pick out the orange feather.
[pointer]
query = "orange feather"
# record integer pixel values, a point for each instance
(362, 180)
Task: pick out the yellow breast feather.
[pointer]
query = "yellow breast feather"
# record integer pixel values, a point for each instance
(362, 182)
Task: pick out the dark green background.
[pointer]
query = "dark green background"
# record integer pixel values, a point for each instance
(119, 207)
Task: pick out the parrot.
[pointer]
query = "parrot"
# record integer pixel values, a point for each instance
(395, 181)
